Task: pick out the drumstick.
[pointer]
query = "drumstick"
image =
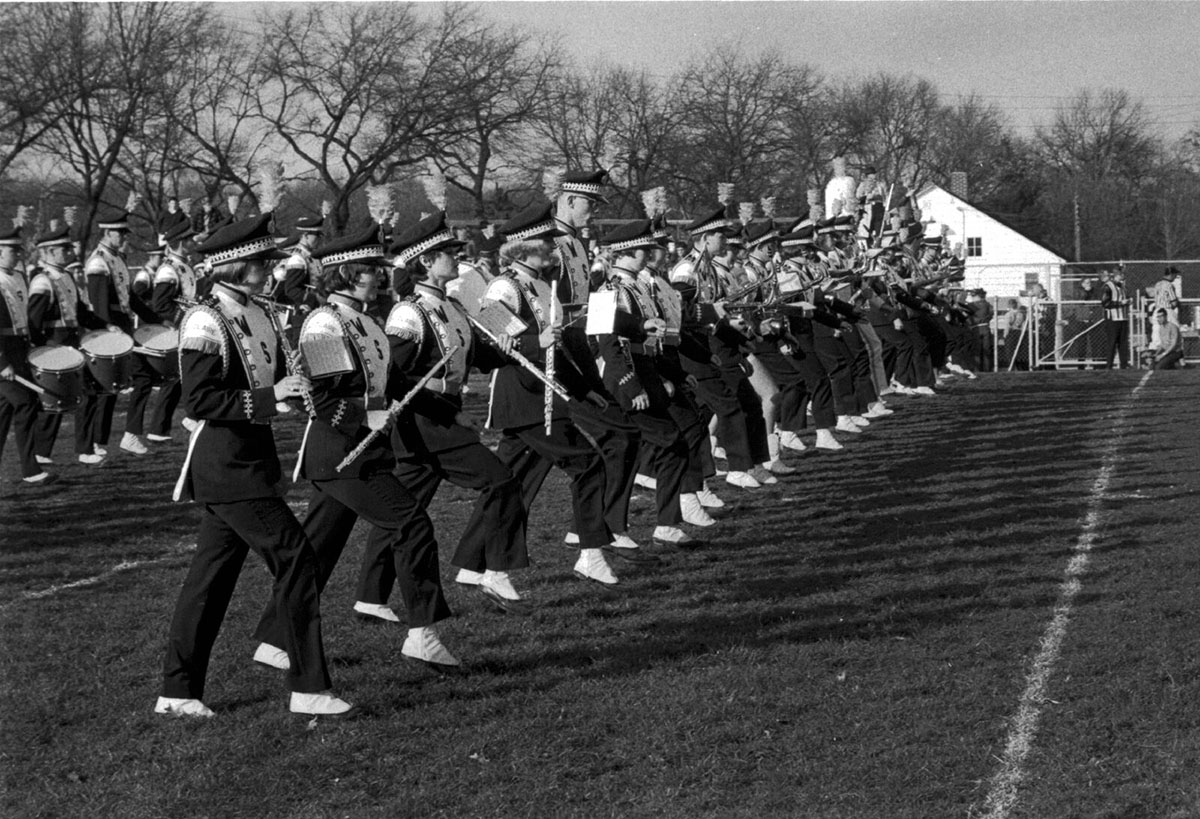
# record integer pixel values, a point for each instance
(34, 387)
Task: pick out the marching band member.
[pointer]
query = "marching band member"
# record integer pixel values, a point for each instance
(230, 356)
(710, 351)
(18, 404)
(608, 427)
(301, 271)
(434, 440)
(517, 406)
(777, 377)
(173, 278)
(345, 406)
(800, 339)
(630, 374)
(695, 496)
(57, 314)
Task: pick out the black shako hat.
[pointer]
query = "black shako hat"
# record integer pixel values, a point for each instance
(52, 238)
(430, 234)
(534, 222)
(364, 247)
(713, 221)
(630, 236)
(756, 233)
(584, 183)
(251, 238)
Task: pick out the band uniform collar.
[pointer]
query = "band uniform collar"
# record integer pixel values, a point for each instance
(519, 266)
(346, 300)
(566, 228)
(231, 292)
(431, 289)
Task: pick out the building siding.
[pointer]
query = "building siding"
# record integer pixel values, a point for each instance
(1007, 257)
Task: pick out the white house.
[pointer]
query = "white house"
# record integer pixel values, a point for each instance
(999, 258)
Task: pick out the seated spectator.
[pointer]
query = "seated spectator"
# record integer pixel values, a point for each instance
(1169, 351)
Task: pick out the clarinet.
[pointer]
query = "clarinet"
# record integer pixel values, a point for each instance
(291, 355)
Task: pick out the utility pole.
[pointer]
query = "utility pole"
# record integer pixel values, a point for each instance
(1078, 237)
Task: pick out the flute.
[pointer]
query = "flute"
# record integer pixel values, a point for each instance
(523, 361)
(394, 411)
(291, 355)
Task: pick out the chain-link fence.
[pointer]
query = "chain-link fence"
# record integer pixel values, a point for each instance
(1033, 333)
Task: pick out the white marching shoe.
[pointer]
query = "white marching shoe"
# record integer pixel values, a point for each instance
(183, 707)
(468, 578)
(95, 458)
(673, 536)
(321, 704)
(423, 645)
(763, 476)
(571, 539)
(693, 510)
(844, 424)
(645, 481)
(878, 410)
(859, 421)
(708, 499)
(272, 656)
(923, 391)
(826, 441)
(790, 440)
(133, 444)
(376, 610)
(591, 565)
(777, 467)
(498, 588)
(742, 479)
(156, 438)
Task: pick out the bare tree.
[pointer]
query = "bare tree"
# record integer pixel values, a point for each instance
(116, 57)
(734, 124)
(33, 93)
(356, 92)
(501, 80)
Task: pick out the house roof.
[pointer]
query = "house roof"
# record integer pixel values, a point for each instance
(931, 185)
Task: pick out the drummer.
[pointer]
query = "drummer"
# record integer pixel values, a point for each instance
(18, 404)
(56, 315)
(110, 295)
(173, 279)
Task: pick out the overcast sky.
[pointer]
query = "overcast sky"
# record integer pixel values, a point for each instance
(1026, 57)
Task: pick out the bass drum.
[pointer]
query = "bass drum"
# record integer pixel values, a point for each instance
(159, 345)
(58, 371)
(109, 356)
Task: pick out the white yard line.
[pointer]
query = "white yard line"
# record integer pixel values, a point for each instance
(1002, 795)
(123, 566)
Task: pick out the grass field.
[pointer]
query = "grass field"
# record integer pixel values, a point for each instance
(854, 642)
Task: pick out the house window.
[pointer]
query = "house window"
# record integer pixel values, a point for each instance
(974, 246)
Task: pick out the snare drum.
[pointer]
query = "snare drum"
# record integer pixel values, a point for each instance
(59, 371)
(160, 346)
(109, 358)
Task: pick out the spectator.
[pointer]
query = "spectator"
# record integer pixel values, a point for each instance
(1014, 331)
(1170, 346)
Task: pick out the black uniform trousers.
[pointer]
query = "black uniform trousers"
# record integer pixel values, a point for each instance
(930, 328)
(835, 358)
(93, 421)
(923, 374)
(860, 370)
(693, 428)
(19, 411)
(529, 452)
(789, 401)
(817, 385)
(399, 526)
(1116, 339)
(615, 437)
(144, 379)
(494, 537)
(227, 532)
(897, 354)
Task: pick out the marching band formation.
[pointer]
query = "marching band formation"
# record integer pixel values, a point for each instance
(624, 364)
